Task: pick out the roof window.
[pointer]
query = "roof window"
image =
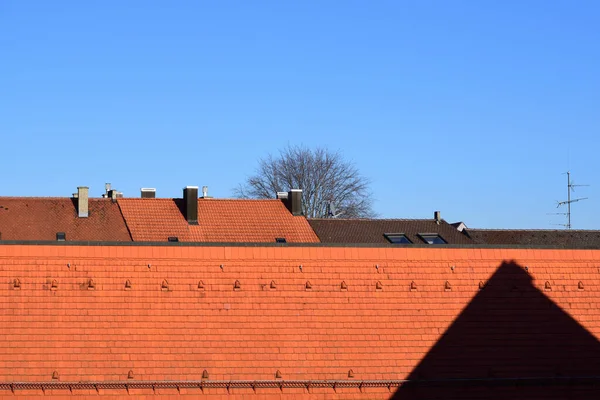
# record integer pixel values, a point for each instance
(432, 238)
(173, 239)
(280, 240)
(397, 238)
(61, 236)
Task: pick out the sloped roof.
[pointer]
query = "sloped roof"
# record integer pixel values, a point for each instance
(573, 239)
(334, 230)
(538, 336)
(219, 220)
(183, 315)
(40, 218)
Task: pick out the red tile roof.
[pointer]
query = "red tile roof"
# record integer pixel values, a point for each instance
(40, 218)
(219, 220)
(417, 312)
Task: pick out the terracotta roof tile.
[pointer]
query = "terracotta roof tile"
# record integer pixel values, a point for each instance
(40, 218)
(512, 326)
(219, 220)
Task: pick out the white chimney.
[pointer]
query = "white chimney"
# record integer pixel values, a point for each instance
(82, 201)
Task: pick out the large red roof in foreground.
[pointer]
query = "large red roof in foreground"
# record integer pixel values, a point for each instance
(353, 315)
(219, 220)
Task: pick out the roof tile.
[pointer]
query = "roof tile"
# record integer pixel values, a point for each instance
(355, 231)
(40, 218)
(219, 220)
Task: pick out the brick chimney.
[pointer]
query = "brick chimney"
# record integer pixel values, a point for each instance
(190, 204)
(82, 201)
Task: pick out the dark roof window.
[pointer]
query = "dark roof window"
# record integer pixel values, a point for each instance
(173, 239)
(61, 236)
(280, 240)
(397, 238)
(432, 238)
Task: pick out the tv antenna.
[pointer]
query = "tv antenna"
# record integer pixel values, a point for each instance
(570, 188)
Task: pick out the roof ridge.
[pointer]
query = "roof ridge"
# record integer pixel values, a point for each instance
(199, 198)
(372, 219)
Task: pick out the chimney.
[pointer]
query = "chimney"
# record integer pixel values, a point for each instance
(437, 217)
(82, 201)
(112, 194)
(190, 200)
(148, 193)
(294, 202)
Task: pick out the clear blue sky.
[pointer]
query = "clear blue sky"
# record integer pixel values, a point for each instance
(472, 108)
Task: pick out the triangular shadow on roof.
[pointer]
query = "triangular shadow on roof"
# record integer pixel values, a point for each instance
(510, 342)
(180, 203)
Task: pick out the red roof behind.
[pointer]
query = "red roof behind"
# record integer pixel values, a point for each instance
(219, 220)
(40, 218)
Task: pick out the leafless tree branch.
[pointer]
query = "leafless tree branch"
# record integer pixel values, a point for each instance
(326, 179)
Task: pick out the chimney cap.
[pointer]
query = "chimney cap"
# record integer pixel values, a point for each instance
(148, 189)
(191, 187)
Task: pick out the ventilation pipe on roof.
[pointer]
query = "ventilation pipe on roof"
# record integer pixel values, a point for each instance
(204, 192)
(82, 201)
(190, 200)
(437, 216)
(148, 193)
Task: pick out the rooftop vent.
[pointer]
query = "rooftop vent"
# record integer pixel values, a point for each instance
(437, 217)
(148, 193)
(204, 192)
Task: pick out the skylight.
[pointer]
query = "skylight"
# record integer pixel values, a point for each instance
(432, 238)
(397, 238)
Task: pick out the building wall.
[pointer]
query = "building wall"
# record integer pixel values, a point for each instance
(386, 314)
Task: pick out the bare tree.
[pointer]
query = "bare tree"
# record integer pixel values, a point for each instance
(331, 186)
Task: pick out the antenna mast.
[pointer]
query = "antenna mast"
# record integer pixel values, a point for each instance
(570, 188)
